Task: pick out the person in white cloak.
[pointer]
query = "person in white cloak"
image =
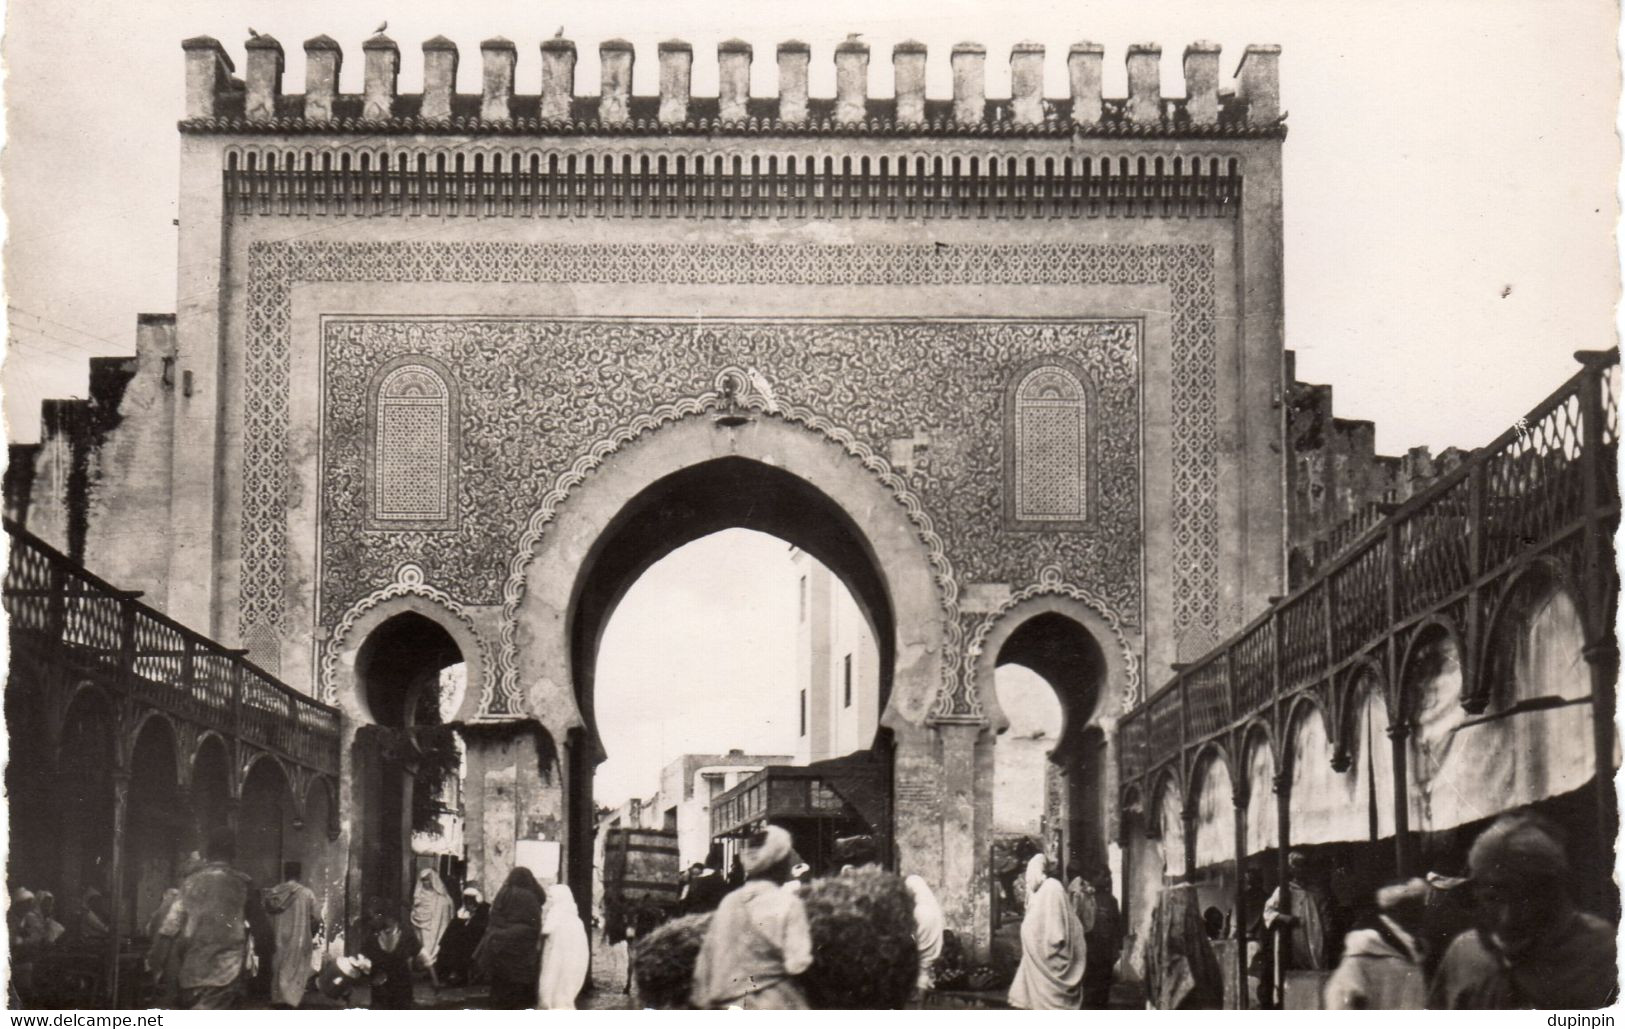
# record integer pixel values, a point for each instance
(431, 914)
(564, 952)
(1050, 977)
(858, 852)
(927, 929)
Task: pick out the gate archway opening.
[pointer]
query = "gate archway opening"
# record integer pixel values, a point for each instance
(403, 671)
(687, 506)
(1049, 758)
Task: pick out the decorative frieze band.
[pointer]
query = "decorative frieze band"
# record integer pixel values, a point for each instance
(529, 183)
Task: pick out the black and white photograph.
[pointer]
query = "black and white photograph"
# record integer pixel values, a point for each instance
(859, 505)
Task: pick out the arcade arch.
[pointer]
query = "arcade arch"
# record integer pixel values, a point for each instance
(157, 828)
(1213, 828)
(85, 762)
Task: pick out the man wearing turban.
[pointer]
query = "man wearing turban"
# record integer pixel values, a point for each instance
(1305, 921)
(1382, 965)
(758, 941)
(1532, 947)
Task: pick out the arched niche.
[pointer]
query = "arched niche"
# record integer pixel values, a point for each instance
(1369, 776)
(1533, 739)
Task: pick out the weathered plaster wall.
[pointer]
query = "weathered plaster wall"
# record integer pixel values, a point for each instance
(514, 792)
(131, 500)
(99, 485)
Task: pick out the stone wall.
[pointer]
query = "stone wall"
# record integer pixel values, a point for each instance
(97, 485)
(1338, 486)
(514, 791)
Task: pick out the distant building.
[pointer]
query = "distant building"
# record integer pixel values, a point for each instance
(837, 668)
(682, 804)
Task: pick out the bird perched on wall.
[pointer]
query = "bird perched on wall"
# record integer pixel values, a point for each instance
(759, 383)
(379, 31)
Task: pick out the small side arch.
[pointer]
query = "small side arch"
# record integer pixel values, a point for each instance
(1258, 732)
(409, 594)
(179, 759)
(1092, 699)
(1304, 705)
(321, 794)
(1537, 583)
(1359, 680)
(1212, 754)
(1418, 648)
(1260, 770)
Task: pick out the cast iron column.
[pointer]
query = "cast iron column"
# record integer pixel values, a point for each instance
(1283, 832)
(1398, 734)
(115, 878)
(1242, 914)
(1601, 649)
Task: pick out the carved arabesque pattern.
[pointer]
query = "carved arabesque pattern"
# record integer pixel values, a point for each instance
(1187, 269)
(510, 368)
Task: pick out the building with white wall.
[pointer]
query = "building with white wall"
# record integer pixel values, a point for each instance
(837, 667)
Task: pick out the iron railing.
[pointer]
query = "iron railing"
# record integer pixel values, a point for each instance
(64, 616)
(1541, 485)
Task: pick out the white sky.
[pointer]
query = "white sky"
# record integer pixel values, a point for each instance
(699, 658)
(1440, 152)
(1450, 185)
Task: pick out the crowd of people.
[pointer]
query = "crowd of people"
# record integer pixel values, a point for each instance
(783, 940)
(218, 941)
(1506, 935)
(772, 936)
(528, 946)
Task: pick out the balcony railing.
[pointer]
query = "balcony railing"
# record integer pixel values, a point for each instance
(1541, 485)
(63, 615)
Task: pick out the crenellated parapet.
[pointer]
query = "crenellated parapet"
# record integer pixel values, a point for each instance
(219, 102)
